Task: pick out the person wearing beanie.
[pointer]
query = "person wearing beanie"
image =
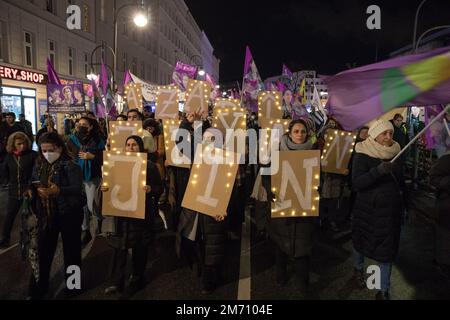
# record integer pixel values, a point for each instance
(378, 208)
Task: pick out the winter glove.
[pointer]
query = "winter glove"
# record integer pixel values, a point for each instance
(385, 167)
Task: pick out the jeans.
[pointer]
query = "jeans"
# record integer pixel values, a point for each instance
(92, 190)
(385, 269)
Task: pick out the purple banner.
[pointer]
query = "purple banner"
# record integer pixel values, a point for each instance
(183, 72)
(437, 136)
(65, 98)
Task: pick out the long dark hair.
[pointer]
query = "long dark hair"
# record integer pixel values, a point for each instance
(138, 140)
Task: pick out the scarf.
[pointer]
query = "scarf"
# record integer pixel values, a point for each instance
(287, 144)
(375, 150)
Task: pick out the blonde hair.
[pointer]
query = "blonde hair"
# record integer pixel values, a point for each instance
(10, 145)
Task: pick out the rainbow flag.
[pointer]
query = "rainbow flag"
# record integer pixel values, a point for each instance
(360, 95)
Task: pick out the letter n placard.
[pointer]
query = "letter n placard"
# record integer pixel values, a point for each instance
(337, 151)
(119, 131)
(125, 174)
(211, 182)
(295, 185)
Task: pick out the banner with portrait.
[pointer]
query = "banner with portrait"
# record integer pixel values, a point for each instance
(68, 98)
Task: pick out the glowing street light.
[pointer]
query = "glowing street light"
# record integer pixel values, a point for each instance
(140, 20)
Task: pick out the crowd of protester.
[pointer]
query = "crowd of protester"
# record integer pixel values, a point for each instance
(61, 183)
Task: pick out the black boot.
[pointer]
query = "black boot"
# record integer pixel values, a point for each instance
(382, 295)
(281, 267)
(86, 237)
(302, 271)
(357, 280)
(208, 280)
(99, 226)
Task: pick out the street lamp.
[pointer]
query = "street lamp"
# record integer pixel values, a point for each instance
(93, 76)
(415, 24)
(429, 30)
(140, 20)
(195, 59)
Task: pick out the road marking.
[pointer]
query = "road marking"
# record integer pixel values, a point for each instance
(244, 286)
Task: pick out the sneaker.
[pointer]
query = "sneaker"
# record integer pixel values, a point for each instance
(382, 295)
(4, 244)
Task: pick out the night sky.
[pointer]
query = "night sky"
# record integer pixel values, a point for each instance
(322, 35)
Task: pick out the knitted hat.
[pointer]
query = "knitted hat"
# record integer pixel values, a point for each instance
(380, 126)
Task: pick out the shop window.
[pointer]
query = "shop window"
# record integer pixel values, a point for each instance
(20, 100)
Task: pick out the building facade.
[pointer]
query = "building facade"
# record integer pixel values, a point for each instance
(151, 53)
(33, 30)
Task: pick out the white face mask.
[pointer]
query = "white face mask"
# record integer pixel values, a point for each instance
(52, 156)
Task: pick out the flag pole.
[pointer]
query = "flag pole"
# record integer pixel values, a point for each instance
(421, 132)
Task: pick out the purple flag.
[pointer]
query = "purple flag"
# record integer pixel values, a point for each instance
(252, 82)
(438, 135)
(52, 75)
(182, 73)
(286, 72)
(104, 81)
(127, 79)
(360, 95)
(98, 107)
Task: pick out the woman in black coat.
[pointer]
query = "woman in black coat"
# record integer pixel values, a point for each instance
(57, 184)
(135, 233)
(201, 238)
(16, 168)
(292, 237)
(440, 178)
(379, 203)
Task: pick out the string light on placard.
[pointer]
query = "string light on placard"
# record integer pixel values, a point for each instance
(106, 168)
(138, 89)
(329, 136)
(275, 96)
(167, 124)
(205, 88)
(118, 138)
(165, 88)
